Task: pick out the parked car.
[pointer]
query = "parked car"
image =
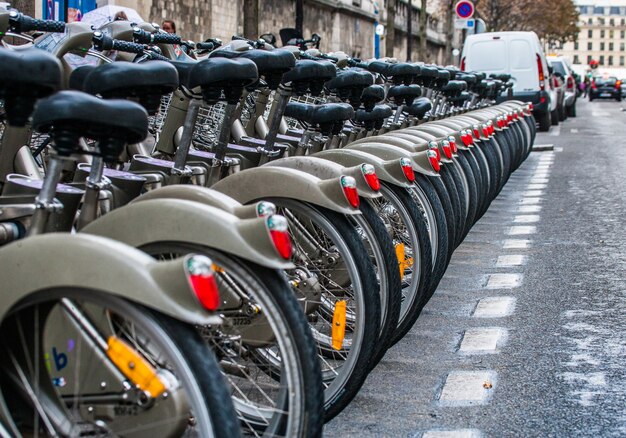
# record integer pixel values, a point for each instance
(623, 87)
(562, 69)
(605, 87)
(557, 83)
(520, 55)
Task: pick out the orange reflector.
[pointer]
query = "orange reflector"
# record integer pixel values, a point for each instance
(134, 367)
(339, 324)
(404, 262)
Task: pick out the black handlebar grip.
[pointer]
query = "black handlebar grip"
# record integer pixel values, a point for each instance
(126, 46)
(205, 46)
(19, 22)
(166, 38)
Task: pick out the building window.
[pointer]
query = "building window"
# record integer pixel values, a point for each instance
(611, 33)
(610, 46)
(621, 61)
(590, 33)
(601, 21)
(614, 10)
(588, 59)
(577, 61)
(598, 10)
(601, 59)
(589, 45)
(602, 45)
(622, 33)
(602, 33)
(621, 47)
(610, 60)
(623, 22)
(612, 22)
(590, 22)
(576, 45)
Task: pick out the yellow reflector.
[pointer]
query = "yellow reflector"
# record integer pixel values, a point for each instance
(134, 367)
(339, 324)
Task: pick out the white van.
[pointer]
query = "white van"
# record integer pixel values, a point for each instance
(520, 55)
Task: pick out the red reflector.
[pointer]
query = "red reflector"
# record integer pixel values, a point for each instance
(434, 162)
(201, 277)
(279, 233)
(485, 131)
(407, 169)
(447, 150)
(453, 145)
(433, 147)
(369, 172)
(348, 184)
(530, 105)
(476, 134)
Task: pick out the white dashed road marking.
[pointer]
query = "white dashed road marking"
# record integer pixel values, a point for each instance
(574, 131)
(556, 130)
(527, 218)
(522, 229)
(494, 307)
(503, 281)
(528, 201)
(529, 209)
(459, 433)
(516, 244)
(536, 186)
(533, 193)
(463, 388)
(540, 180)
(508, 261)
(482, 340)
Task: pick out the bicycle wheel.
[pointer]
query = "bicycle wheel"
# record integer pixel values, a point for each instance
(62, 382)
(329, 250)
(265, 347)
(383, 256)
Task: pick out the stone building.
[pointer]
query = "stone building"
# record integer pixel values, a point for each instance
(602, 34)
(346, 25)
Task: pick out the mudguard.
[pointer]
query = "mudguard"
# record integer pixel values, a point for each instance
(279, 182)
(386, 170)
(83, 262)
(173, 220)
(420, 137)
(419, 160)
(444, 130)
(327, 169)
(203, 195)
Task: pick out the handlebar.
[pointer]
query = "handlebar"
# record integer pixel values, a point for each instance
(19, 22)
(103, 42)
(144, 37)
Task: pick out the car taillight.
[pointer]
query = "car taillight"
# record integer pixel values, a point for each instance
(593, 84)
(348, 185)
(570, 83)
(201, 276)
(264, 209)
(278, 228)
(432, 145)
(540, 73)
(434, 162)
(452, 142)
(463, 64)
(530, 107)
(407, 169)
(447, 150)
(618, 84)
(369, 173)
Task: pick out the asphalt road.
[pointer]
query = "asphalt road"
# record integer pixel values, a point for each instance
(533, 344)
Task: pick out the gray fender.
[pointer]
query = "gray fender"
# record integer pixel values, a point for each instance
(419, 160)
(280, 182)
(452, 128)
(325, 169)
(399, 141)
(386, 170)
(415, 134)
(84, 262)
(203, 195)
(173, 220)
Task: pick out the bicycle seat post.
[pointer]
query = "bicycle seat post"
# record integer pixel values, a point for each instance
(45, 202)
(180, 170)
(276, 115)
